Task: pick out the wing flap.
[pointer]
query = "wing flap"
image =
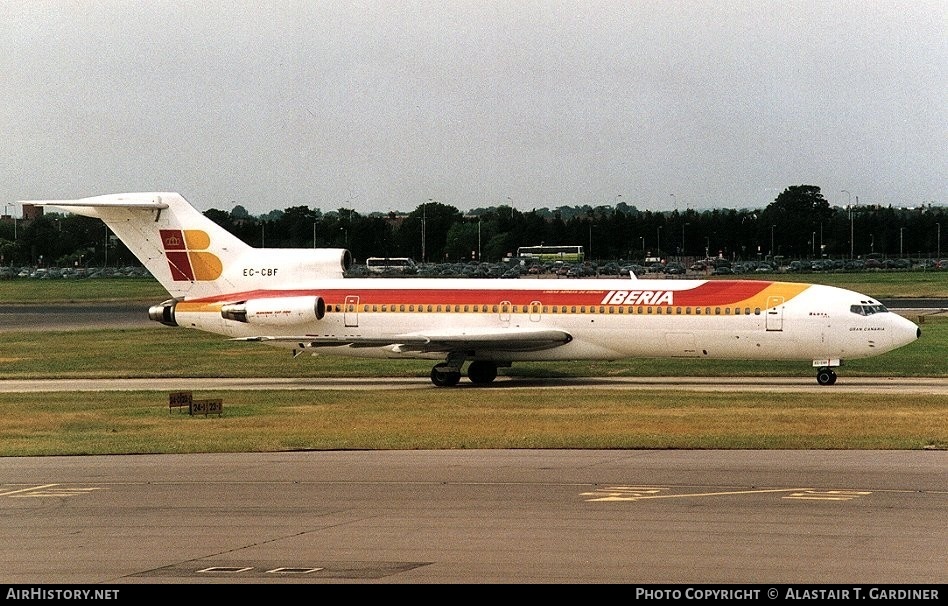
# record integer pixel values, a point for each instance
(445, 342)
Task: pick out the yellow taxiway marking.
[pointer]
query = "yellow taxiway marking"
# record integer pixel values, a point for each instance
(642, 493)
(827, 495)
(633, 493)
(48, 490)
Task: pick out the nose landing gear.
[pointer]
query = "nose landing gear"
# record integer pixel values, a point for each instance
(825, 376)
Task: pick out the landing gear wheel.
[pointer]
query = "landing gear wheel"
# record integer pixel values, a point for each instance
(825, 376)
(443, 376)
(481, 372)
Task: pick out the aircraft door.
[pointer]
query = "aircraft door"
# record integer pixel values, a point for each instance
(535, 311)
(505, 313)
(775, 313)
(351, 310)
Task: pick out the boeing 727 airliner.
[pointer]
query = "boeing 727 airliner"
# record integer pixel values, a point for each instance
(300, 299)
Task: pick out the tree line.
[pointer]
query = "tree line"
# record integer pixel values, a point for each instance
(798, 224)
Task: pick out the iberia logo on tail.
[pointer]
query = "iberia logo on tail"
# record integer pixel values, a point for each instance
(187, 255)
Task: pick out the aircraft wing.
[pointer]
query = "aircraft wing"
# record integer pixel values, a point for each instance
(437, 342)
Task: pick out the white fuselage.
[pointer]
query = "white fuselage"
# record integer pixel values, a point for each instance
(606, 319)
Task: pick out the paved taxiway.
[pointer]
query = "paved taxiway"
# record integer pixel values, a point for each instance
(877, 385)
(498, 516)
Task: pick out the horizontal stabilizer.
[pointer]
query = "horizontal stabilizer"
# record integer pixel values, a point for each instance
(147, 201)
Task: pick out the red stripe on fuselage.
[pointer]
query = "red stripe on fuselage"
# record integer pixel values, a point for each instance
(718, 292)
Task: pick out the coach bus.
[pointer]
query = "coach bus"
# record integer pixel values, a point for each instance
(385, 265)
(567, 254)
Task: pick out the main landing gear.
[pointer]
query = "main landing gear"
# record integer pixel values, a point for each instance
(825, 376)
(448, 374)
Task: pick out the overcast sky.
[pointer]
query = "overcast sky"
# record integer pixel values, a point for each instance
(382, 106)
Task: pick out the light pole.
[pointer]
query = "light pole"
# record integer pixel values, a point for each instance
(683, 239)
(901, 237)
(478, 237)
(424, 211)
(849, 207)
(658, 242)
(590, 240)
(772, 241)
(938, 242)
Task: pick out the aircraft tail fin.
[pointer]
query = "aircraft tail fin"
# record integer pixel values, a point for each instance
(193, 257)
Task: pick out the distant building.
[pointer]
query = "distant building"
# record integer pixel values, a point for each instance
(31, 212)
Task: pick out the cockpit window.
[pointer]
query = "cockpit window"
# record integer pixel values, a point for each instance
(867, 310)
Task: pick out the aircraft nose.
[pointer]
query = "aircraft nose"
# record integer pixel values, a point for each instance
(906, 332)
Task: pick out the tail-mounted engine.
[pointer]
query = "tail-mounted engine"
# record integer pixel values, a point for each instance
(163, 313)
(277, 311)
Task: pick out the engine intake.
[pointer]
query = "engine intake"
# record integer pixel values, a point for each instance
(163, 313)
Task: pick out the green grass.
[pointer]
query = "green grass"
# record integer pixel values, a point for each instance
(140, 422)
(24, 290)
